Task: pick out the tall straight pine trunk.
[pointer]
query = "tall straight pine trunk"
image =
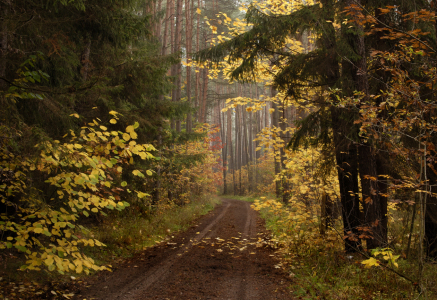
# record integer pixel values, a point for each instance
(178, 67)
(188, 40)
(167, 24)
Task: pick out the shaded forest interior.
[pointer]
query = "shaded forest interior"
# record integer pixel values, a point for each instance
(325, 111)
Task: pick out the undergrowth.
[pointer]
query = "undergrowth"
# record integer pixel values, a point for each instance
(322, 270)
(247, 198)
(131, 232)
(250, 199)
(124, 233)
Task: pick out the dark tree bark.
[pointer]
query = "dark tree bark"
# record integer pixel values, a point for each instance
(224, 150)
(284, 182)
(232, 161)
(4, 14)
(374, 216)
(238, 145)
(250, 171)
(275, 123)
(86, 59)
(205, 80)
(373, 207)
(346, 156)
(157, 187)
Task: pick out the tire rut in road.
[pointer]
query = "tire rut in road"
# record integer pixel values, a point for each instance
(160, 271)
(218, 259)
(125, 282)
(244, 287)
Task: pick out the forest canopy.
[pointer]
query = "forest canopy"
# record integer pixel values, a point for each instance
(322, 110)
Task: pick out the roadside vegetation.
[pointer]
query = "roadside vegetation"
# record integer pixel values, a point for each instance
(124, 234)
(119, 119)
(349, 150)
(97, 161)
(322, 270)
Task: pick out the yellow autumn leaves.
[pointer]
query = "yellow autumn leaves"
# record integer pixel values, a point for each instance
(280, 7)
(385, 254)
(130, 132)
(298, 223)
(81, 173)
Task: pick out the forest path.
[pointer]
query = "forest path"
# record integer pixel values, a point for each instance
(219, 258)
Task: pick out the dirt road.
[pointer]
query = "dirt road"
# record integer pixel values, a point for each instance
(219, 258)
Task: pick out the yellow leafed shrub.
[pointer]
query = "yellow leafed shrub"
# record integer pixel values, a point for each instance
(81, 177)
(298, 224)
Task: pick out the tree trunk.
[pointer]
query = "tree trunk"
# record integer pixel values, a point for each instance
(373, 210)
(327, 211)
(4, 13)
(86, 59)
(345, 151)
(178, 67)
(224, 152)
(275, 124)
(246, 151)
(156, 195)
(370, 190)
(197, 92)
(283, 127)
(158, 22)
(173, 51)
(204, 94)
(251, 164)
(229, 144)
(346, 156)
(166, 26)
(238, 145)
(188, 37)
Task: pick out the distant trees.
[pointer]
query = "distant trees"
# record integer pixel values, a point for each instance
(67, 68)
(341, 66)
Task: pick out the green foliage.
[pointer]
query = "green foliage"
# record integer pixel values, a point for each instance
(19, 88)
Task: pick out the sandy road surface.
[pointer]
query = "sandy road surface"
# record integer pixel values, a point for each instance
(216, 259)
